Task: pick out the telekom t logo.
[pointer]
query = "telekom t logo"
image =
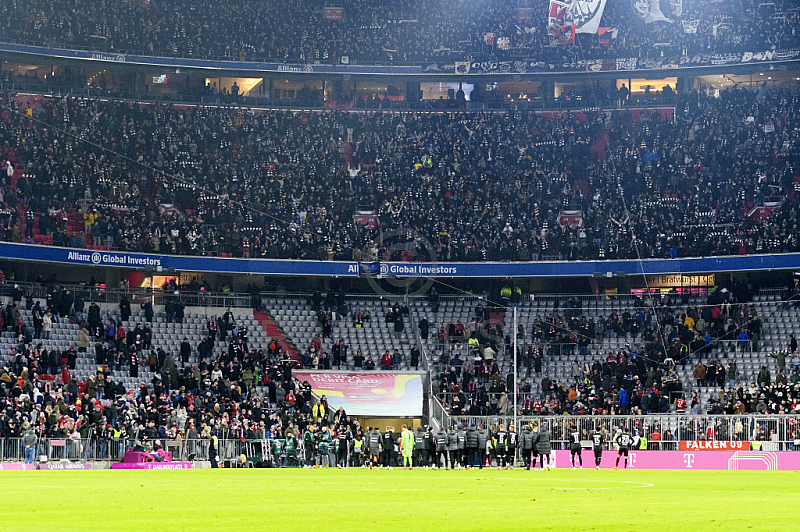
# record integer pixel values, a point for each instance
(632, 461)
(688, 459)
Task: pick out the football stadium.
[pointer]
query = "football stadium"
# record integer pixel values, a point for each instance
(437, 264)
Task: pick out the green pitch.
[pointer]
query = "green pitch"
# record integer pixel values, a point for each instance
(353, 499)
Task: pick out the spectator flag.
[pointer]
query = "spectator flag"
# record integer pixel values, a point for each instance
(556, 17)
(690, 26)
(462, 67)
(584, 15)
(488, 38)
(566, 34)
(605, 34)
(720, 28)
(504, 43)
(769, 127)
(649, 10)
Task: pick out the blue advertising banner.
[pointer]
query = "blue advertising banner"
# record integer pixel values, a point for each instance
(706, 265)
(120, 259)
(592, 268)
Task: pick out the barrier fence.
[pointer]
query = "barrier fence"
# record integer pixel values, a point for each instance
(272, 452)
(158, 296)
(113, 450)
(663, 431)
(137, 296)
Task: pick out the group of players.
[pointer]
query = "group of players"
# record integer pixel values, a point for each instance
(460, 447)
(622, 439)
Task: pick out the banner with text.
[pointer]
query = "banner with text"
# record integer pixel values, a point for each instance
(548, 268)
(522, 65)
(668, 62)
(715, 445)
(146, 261)
(368, 394)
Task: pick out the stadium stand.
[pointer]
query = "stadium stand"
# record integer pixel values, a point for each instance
(680, 172)
(191, 390)
(473, 189)
(587, 353)
(366, 30)
(345, 322)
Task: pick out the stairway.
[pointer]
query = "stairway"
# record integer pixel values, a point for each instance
(272, 330)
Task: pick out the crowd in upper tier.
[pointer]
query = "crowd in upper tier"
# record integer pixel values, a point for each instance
(467, 186)
(398, 32)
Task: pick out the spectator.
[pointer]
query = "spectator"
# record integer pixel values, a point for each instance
(29, 441)
(386, 361)
(658, 191)
(47, 325)
(780, 358)
(370, 31)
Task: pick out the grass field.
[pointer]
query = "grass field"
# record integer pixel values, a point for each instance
(356, 499)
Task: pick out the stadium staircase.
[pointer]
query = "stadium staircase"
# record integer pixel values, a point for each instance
(273, 331)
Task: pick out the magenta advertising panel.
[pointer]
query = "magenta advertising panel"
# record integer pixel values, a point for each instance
(708, 460)
(63, 466)
(16, 466)
(152, 465)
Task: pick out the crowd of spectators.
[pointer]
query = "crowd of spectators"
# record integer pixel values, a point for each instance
(661, 333)
(405, 32)
(221, 394)
(476, 186)
(218, 395)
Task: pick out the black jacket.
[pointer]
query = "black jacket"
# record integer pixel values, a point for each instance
(472, 438)
(543, 442)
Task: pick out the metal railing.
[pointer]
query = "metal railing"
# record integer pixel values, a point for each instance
(207, 298)
(137, 296)
(113, 450)
(425, 362)
(163, 53)
(437, 414)
(112, 295)
(158, 296)
(663, 431)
